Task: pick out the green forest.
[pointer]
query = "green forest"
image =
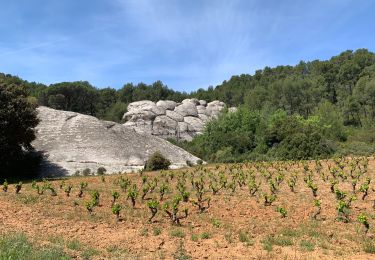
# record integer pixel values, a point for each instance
(315, 109)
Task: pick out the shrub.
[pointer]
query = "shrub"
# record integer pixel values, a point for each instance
(5, 186)
(89, 205)
(133, 194)
(18, 187)
(172, 211)
(82, 186)
(153, 205)
(101, 171)
(86, 172)
(115, 196)
(282, 211)
(116, 208)
(67, 190)
(157, 162)
(95, 198)
(189, 163)
(362, 218)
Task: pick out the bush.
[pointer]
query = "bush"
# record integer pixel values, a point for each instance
(101, 171)
(86, 172)
(157, 162)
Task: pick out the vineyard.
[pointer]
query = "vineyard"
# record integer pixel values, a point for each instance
(294, 209)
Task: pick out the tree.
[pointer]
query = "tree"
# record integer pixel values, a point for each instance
(18, 118)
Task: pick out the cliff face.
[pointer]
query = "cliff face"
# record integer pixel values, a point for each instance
(168, 119)
(73, 141)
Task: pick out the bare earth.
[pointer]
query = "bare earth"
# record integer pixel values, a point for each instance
(235, 226)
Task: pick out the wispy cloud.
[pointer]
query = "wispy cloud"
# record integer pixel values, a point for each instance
(186, 44)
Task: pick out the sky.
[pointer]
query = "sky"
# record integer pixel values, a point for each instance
(185, 44)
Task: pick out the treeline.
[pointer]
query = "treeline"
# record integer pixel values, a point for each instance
(105, 103)
(312, 110)
(346, 81)
(330, 103)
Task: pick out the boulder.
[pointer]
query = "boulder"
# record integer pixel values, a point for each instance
(140, 126)
(73, 141)
(187, 109)
(138, 114)
(232, 109)
(204, 118)
(141, 105)
(202, 110)
(169, 119)
(174, 115)
(167, 104)
(203, 103)
(214, 108)
(195, 124)
(191, 100)
(145, 110)
(164, 125)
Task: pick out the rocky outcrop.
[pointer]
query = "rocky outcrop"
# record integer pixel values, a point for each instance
(168, 119)
(72, 141)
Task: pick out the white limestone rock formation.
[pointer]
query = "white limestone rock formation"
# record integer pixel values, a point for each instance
(169, 119)
(73, 141)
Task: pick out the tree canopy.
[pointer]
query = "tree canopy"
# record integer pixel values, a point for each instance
(17, 121)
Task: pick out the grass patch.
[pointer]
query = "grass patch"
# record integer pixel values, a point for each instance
(307, 245)
(266, 244)
(144, 232)
(181, 253)
(216, 223)
(278, 240)
(177, 233)
(194, 237)
(27, 199)
(206, 235)
(369, 247)
(74, 245)
(156, 231)
(229, 237)
(17, 246)
(244, 238)
(88, 253)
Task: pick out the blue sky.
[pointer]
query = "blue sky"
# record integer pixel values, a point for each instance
(186, 44)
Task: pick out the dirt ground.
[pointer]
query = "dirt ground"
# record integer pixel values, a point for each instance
(235, 226)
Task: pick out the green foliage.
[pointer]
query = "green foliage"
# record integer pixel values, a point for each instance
(133, 194)
(86, 172)
(282, 211)
(362, 218)
(116, 208)
(157, 162)
(95, 198)
(101, 171)
(5, 186)
(18, 187)
(17, 246)
(153, 205)
(18, 118)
